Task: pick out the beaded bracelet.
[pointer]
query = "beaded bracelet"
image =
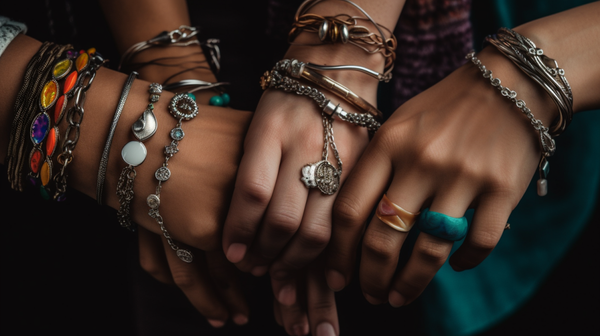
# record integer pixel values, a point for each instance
(182, 107)
(547, 143)
(134, 154)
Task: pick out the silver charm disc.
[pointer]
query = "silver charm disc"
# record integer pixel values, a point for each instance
(327, 178)
(182, 106)
(185, 255)
(162, 174)
(153, 201)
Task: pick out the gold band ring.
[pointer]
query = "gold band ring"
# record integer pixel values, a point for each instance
(395, 216)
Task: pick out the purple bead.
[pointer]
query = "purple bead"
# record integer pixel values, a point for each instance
(39, 128)
(61, 197)
(33, 181)
(72, 54)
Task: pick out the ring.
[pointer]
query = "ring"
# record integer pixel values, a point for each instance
(394, 216)
(443, 226)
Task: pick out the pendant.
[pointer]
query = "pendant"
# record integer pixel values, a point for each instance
(322, 175)
(145, 126)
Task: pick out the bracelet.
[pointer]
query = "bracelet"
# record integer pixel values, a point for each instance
(547, 143)
(193, 85)
(531, 60)
(182, 107)
(87, 64)
(134, 154)
(111, 133)
(299, 69)
(273, 79)
(25, 107)
(344, 28)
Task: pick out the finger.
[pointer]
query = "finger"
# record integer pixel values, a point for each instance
(152, 256)
(489, 221)
(382, 243)
(283, 216)
(224, 276)
(429, 252)
(352, 207)
(253, 188)
(310, 240)
(322, 311)
(294, 318)
(194, 281)
(277, 312)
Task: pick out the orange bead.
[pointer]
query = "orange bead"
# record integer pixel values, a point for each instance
(49, 94)
(70, 81)
(91, 51)
(46, 172)
(59, 109)
(35, 160)
(82, 61)
(51, 141)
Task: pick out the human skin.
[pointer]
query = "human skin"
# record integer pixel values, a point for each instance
(456, 146)
(213, 146)
(140, 20)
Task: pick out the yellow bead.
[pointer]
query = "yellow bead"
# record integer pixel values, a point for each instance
(46, 172)
(61, 68)
(49, 93)
(81, 61)
(91, 51)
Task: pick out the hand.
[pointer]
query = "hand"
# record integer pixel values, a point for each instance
(456, 146)
(315, 311)
(210, 282)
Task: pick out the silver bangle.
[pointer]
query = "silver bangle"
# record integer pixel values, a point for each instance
(111, 133)
(8, 31)
(182, 107)
(547, 143)
(134, 153)
(198, 85)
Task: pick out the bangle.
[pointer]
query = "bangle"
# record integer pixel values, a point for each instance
(111, 133)
(531, 60)
(547, 143)
(8, 31)
(182, 107)
(344, 28)
(299, 69)
(25, 107)
(134, 153)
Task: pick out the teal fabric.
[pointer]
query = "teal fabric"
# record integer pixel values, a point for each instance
(543, 228)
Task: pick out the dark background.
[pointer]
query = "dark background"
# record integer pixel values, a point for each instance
(69, 268)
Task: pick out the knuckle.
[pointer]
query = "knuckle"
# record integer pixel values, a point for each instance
(255, 192)
(206, 236)
(345, 210)
(283, 221)
(431, 252)
(379, 245)
(316, 236)
(483, 242)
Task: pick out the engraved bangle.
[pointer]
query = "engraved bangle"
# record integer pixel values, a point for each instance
(134, 153)
(547, 143)
(111, 133)
(275, 80)
(299, 69)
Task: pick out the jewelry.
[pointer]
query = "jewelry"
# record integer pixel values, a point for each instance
(299, 69)
(87, 64)
(507, 226)
(547, 143)
(531, 60)
(333, 28)
(111, 133)
(273, 79)
(8, 31)
(26, 104)
(182, 107)
(395, 216)
(443, 226)
(134, 154)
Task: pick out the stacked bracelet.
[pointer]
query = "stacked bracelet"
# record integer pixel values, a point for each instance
(182, 107)
(134, 154)
(547, 143)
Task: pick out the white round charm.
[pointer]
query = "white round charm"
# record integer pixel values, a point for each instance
(134, 153)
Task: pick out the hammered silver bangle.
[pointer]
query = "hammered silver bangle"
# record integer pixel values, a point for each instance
(546, 141)
(111, 132)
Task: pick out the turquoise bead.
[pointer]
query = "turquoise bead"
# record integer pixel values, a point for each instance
(226, 99)
(216, 101)
(443, 226)
(191, 95)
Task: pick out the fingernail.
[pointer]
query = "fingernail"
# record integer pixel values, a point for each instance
(216, 323)
(287, 295)
(300, 329)
(396, 299)
(240, 319)
(372, 300)
(259, 270)
(236, 252)
(325, 329)
(335, 280)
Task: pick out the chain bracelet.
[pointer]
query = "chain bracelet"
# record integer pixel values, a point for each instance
(547, 142)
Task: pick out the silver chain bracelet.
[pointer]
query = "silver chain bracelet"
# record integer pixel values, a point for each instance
(547, 143)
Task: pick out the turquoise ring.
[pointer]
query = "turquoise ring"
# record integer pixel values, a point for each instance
(442, 226)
